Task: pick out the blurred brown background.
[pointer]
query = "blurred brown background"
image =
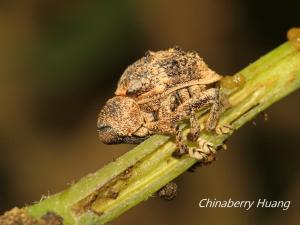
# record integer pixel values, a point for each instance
(60, 60)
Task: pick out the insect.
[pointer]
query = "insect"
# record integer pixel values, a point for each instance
(168, 192)
(158, 91)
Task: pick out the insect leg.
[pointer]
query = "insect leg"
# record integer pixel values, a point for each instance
(204, 152)
(181, 147)
(219, 105)
(195, 128)
(207, 98)
(164, 126)
(223, 105)
(215, 112)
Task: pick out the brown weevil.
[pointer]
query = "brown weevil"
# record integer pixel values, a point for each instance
(158, 91)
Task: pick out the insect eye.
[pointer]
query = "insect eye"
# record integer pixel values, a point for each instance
(103, 128)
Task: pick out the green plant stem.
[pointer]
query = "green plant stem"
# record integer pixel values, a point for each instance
(104, 195)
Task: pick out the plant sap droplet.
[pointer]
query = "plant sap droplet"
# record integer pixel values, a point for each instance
(231, 82)
(293, 35)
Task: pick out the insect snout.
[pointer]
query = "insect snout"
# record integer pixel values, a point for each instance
(107, 135)
(118, 120)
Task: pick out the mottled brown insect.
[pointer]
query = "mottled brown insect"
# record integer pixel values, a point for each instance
(155, 93)
(168, 192)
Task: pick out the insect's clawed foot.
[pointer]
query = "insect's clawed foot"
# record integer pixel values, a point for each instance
(181, 150)
(203, 152)
(224, 129)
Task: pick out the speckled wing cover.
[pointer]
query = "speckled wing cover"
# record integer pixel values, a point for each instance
(164, 71)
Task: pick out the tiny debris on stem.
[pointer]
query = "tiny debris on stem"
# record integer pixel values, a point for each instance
(168, 192)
